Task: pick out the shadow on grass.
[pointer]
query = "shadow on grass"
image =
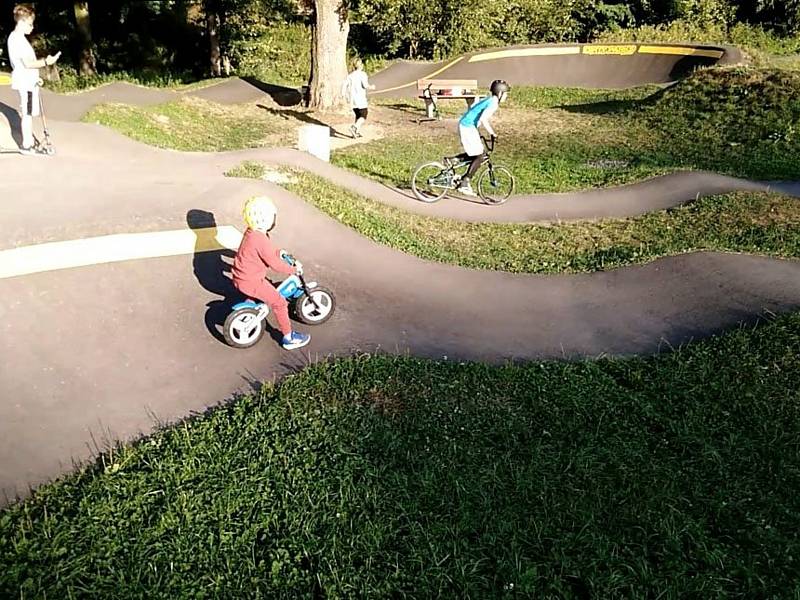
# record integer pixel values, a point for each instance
(602, 108)
(297, 115)
(303, 117)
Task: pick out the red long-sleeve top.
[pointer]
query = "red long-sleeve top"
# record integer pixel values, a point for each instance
(257, 254)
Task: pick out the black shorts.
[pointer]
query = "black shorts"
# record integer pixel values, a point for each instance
(29, 103)
(360, 113)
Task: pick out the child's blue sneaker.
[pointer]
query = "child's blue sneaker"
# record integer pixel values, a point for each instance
(295, 340)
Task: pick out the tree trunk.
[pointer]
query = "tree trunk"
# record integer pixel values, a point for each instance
(212, 27)
(328, 54)
(86, 60)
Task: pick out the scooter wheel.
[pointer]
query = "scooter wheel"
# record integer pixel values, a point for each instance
(308, 313)
(243, 328)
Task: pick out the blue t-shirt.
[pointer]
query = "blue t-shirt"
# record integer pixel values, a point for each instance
(473, 115)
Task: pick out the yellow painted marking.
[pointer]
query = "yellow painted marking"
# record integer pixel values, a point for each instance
(680, 51)
(550, 51)
(614, 49)
(405, 85)
(69, 254)
(5, 79)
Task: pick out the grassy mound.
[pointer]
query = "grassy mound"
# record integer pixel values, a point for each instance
(392, 477)
(748, 113)
(193, 124)
(766, 224)
(741, 122)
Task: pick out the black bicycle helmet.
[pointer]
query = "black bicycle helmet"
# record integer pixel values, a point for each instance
(498, 87)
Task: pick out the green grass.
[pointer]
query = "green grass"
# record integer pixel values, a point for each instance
(534, 97)
(248, 169)
(553, 161)
(540, 97)
(192, 124)
(739, 121)
(72, 81)
(282, 55)
(741, 222)
(674, 476)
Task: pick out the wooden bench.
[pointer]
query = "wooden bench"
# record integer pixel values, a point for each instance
(432, 90)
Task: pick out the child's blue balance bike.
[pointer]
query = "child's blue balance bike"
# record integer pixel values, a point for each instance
(311, 304)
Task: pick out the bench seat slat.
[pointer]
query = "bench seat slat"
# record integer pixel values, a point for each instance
(447, 83)
(446, 96)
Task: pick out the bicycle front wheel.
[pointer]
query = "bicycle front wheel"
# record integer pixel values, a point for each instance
(430, 182)
(495, 184)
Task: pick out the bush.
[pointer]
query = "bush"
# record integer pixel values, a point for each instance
(739, 113)
(755, 37)
(423, 29)
(281, 54)
(752, 38)
(705, 13)
(677, 31)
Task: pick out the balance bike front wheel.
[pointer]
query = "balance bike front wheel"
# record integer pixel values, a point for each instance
(308, 313)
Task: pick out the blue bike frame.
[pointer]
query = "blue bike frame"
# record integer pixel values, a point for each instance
(290, 288)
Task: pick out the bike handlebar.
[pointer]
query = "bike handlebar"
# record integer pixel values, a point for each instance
(489, 143)
(288, 258)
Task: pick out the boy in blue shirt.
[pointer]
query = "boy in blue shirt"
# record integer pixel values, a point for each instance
(478, 114)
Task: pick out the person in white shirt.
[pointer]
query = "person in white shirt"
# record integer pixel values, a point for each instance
(25, 73)
(354, 90)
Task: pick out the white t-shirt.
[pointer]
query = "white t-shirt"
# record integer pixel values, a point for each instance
(19, 49)
(355, 89)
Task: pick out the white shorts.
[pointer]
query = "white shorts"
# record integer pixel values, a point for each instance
(29, 102)
(470, 140)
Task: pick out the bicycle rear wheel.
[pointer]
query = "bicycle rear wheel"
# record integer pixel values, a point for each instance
(495, 184)
(431, 181)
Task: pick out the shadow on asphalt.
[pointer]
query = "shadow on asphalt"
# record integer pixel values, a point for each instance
(281, 95)
(212, 270)
(12, 116)
(687, 65)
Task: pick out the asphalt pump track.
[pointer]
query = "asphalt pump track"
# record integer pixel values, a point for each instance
(104, 351)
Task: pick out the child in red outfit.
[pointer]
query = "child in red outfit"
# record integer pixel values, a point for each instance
(255, 256)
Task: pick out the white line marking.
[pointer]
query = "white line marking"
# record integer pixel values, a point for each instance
(69, 254)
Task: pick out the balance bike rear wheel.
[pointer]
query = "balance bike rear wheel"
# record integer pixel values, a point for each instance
(243, 328)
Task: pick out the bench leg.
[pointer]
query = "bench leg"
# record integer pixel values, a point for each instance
(429, 107)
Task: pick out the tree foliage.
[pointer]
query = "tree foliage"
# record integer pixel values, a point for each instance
(173, 35)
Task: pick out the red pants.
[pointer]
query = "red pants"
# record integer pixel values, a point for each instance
(263, 291)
